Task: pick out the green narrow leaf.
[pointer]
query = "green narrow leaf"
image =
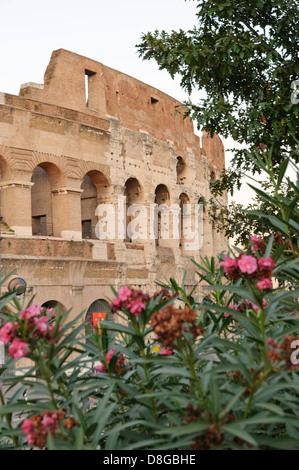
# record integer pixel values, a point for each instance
(282, 169)
(271, 407)
(239, 432)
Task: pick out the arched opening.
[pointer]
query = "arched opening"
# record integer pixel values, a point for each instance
(180, 170)
(41, 203)
(162, 223)
(54, 304)
(133, 196)
(95, 188)
(46, 216)
(99, 310)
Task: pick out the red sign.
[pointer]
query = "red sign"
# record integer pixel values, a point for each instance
(97, 317)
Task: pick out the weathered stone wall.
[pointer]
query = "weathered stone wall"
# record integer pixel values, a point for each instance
(86, 136)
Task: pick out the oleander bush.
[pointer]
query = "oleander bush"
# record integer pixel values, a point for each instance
(172, 371)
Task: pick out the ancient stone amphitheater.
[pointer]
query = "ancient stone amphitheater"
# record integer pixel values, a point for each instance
(90, 136)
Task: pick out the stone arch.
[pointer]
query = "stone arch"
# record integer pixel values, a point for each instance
(95, 190)
(93, 169)
(98, 306)
(47, 214)
(133, 190)
(54, 304)
(162, 195)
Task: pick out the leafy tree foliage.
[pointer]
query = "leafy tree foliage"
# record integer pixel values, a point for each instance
(239, 224)
(244, 56)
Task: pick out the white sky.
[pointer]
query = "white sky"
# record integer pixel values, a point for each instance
(103, 30)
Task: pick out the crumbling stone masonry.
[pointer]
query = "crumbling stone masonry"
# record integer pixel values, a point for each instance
(87, 136)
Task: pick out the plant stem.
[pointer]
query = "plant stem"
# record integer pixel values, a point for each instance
(8, 419)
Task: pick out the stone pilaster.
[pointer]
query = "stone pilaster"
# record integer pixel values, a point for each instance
(16, 206)
(66, 207)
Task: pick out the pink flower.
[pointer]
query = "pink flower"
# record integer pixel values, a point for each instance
(247, 264)
(258, 243)
(18, 349)
(230, 266)
(42, 325)
(117, 302)
(166, 352)
(265, 267)
(51, 312)
(119, 366)
(266, 263)
(264, 284)
(110, 355)
(30, 312)
(256, 307)
(136, 306)
(124, 293)
(49, 422)
(101, 368)
(7, 332)
(27, 426)
(234, 307)
(30, 438)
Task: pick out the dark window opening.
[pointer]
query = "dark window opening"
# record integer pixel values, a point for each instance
(40, 226)
(86, 229)
(180, 170)
(89, 88)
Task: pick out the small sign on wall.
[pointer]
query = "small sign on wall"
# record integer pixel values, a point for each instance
(97, 317)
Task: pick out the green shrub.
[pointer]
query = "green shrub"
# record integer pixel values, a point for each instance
(172, 371)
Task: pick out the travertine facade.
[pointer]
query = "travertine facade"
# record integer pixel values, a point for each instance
(88, 135)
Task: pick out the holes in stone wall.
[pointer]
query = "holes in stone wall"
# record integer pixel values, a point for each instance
(90, 88)
(180, 170)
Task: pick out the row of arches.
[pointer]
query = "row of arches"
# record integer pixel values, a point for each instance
(94, 190)
(50, 203)
(47, 180)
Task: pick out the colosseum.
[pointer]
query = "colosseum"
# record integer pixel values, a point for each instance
(90, 137)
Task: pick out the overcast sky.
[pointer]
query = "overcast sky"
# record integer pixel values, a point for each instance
(104, 30)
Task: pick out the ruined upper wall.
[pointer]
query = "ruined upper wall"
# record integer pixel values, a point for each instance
(71, 79)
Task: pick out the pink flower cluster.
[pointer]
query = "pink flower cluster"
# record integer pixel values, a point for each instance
(252, 267)
(245, 305)
(258, 244)
(119, 368)
(134, 301)
(166, 352)
(37, 427)
(32, 323)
